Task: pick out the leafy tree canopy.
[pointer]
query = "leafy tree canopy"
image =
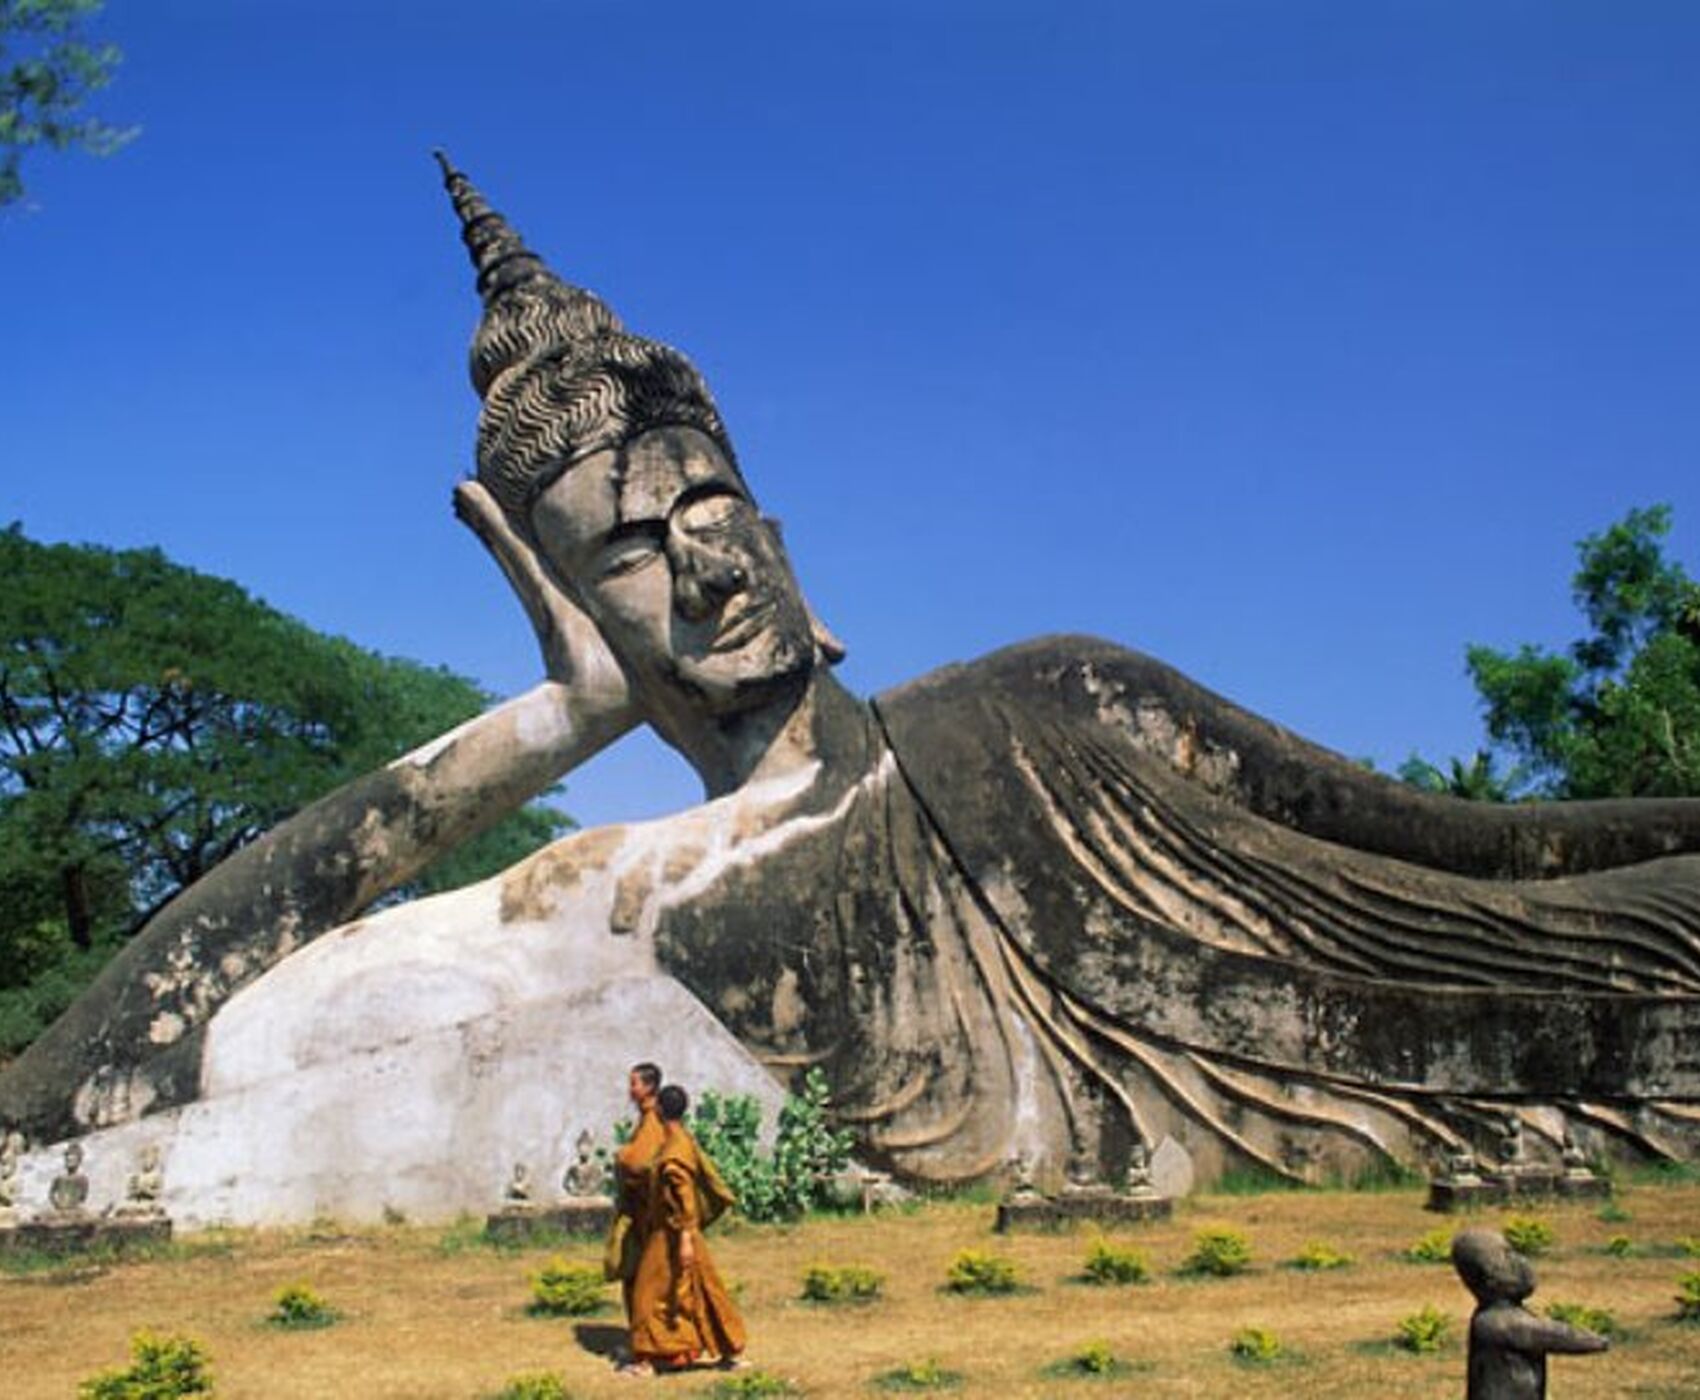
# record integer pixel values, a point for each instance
(47, 69)
(1618, 714)
(154, 719)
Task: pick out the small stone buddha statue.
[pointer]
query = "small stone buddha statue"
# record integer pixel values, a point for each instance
(1081, 1174)
(11, 1149)
(1511, 1160)
(1022, 1186)
(68, 1196)
(1575, 1160)
(519, 1187)
(587, 1174)
(1139, 1181)
(143, 1188)
(1461, 1167)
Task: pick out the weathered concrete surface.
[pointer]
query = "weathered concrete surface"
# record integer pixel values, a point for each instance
(1076, 897)
(132, 1043)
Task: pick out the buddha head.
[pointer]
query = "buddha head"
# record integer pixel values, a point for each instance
(610, 462)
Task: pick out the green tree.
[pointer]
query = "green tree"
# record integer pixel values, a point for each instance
(1618, 714)
(154, 719)
(47, 70)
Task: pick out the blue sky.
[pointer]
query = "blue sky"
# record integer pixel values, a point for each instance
(1295, 344)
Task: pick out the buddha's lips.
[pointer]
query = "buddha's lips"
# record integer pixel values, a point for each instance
(741, 626)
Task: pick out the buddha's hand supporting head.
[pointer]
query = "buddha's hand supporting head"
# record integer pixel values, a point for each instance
(574, 652)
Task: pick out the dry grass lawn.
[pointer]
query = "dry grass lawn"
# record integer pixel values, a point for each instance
(430, 1315)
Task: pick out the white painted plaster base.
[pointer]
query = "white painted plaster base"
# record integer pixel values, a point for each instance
(429, 1126)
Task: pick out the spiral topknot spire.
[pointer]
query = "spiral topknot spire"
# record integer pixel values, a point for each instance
(559, 376)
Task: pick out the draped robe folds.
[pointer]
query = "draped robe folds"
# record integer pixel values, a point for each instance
(631, 1170)
(1075, 900)
(678, 1312)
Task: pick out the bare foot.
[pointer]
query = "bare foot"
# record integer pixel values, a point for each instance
(636, 1370)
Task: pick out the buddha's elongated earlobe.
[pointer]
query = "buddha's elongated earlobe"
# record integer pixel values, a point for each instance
(831, 649)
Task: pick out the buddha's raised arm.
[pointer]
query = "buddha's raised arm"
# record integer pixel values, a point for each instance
(132, 1041)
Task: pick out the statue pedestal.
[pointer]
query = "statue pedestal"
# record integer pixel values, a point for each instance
(1505, 1188)
(577, 1215)
(1583, 1186)
(1524, 1184)
(1461, 1193)
(78, 1236)
(1070, 1208)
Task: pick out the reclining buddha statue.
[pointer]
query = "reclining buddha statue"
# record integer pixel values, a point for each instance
(1058, 902)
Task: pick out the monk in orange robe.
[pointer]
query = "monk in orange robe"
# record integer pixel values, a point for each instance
(680, 1310)
(631, 1171)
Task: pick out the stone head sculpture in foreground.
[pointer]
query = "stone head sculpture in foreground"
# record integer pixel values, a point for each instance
(1057, 901)
(1509, 1345)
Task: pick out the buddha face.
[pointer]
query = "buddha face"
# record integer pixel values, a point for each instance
(688, 584)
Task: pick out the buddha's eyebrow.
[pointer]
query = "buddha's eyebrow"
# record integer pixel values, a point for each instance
(649, 527)
(703, 491)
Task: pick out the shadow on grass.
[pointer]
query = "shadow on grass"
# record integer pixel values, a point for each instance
(600, 1338)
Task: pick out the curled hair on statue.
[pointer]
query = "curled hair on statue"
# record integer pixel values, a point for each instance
(672, 1101)
(560, 377)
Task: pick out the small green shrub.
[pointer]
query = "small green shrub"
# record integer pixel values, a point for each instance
(1114, 1264)
(1218, 1254)
(1690, 1245)
(1688, 1297)
(1620, 1246)
(751, 1385)
(1423, 1331)
(297, 1307)
(560, 1289)
(980, 1271)
(1256, 1346)
(1433, 1248)
(918, 1375)
(1316, 1257)
(1581, 1315)
(1613, 1213)
(161, 1368)
(1529, 1235)
(1093, 1361)
(841, 1283)
(534, 1385)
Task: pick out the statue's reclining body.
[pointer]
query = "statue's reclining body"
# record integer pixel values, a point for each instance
(1056, 901)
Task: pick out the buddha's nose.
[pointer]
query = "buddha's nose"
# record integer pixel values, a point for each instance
(703, 579)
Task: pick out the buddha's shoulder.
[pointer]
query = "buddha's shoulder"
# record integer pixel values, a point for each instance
(1075, 673)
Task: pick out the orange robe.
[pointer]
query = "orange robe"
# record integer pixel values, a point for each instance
(679, 1314)
(631, 1170)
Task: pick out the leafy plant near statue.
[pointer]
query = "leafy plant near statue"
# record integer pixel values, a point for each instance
(789, 1181)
